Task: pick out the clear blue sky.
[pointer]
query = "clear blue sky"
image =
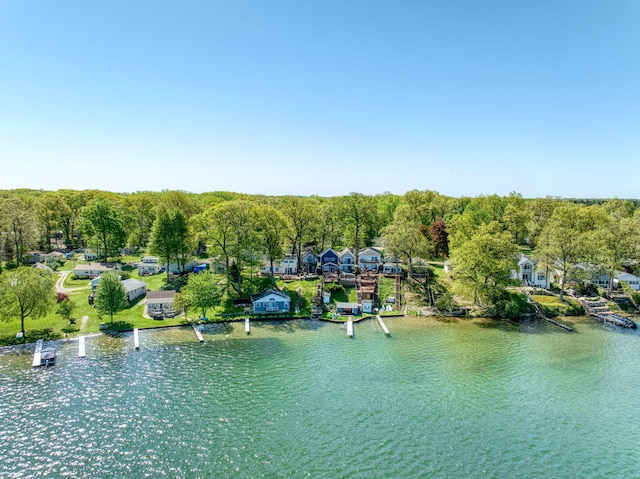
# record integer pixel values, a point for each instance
(322, 97)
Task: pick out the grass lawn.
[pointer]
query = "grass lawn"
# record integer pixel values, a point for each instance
(554, 307)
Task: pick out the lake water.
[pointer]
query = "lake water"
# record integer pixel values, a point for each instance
(300, 399)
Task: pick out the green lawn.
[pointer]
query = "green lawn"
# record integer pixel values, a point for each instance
(554, 307)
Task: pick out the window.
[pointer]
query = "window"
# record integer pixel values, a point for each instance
(541, 277)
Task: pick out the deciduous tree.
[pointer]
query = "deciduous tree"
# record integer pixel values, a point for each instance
(202, 292)
(110, 296)
(26, 292)
(101, 223)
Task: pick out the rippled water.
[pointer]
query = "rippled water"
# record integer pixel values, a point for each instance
(300, 399)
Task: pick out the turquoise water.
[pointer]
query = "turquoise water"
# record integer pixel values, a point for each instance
(300, 399)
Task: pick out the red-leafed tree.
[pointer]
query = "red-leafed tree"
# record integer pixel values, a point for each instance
(440, 238)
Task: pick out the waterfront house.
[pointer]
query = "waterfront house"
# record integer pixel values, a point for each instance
(630, 279)
(530, 274)
(392, 266)
(271, 301)
(329, 261)
(347, 260)
(310, 261)
(160, 302)
(134, 289)
(369, 259)
(347, 308)
(286, 265)
(91, 270)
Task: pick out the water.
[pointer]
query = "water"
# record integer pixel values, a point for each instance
(300, 399)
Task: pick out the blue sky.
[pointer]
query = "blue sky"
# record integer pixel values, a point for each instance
(322, 97)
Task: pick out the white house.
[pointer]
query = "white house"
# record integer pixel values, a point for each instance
(134, 288)
(369, 259)
(392, 266)
(90, 255)
(530, 274)
(287, 265)
(623, 277)
(176, 269)
(160, 302)
(149, 265)
(90, 270)
(347, 261)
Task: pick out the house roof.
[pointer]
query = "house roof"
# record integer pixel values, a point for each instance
(342, 305)
(133, 284)
(328, 250)
(42, 266)
(92, 267)
(345, 251)
(525, 259)
(368, 251)
(163, 293)
(267, 292)
(310, 251)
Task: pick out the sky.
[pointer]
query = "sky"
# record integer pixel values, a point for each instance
(322, 97)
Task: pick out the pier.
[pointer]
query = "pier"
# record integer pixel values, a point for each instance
(81, 347)
(37, 354)
(198, 332)
(247, 326)
(136, 339)
(383, 326)
(600, 310)
(350, 328)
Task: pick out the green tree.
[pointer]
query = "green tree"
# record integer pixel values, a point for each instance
(20, 226)
(110, 296)
(564, 242)
(300, 213)
(26, 292)
(271, 227)
(482, 265)
(102, 224)
(360, 218)
(170, 238)
(402, 238)
(614, 242)
(202, 292)
(66, 309)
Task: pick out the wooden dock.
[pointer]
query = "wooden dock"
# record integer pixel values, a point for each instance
(350, 328)
(136, 339)
(81, 347)
(37, 361)
(198, 332)
(540, 312)
(247, 326)
(383, 326)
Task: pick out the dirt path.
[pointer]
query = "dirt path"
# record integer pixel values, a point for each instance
(60, 283)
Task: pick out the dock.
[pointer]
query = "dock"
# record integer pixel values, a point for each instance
(383, 326)
(198, 333)
(247, 326)
(350, 328)
(37, 359)
(81, 347)
(136, 339)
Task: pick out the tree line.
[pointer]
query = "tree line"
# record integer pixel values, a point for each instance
(481, 235)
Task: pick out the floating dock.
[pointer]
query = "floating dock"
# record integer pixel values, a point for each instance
(383, 326)
(136, 339)
(350, 328)
(81, 347)
(37, 355)
(247, 326)
(198, 333)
